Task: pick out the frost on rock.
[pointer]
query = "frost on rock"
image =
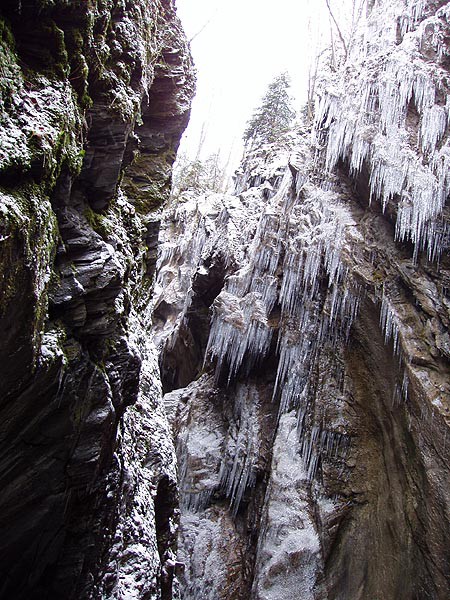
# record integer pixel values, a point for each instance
(223, 437)
(289, 560)
(142, 555)
(263, 167)
(208, 545)
(238, 470)
(38, 121)
(276, 297)
(320, 331)
(217, 453)
(199, 448)
(389, 112)
(288, 294)
(194, 233)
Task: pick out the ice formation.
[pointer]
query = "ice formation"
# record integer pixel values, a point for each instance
(289, 287)
(284, 373)
(273, 300)
(368, 116)
(288, 527)
(239, 469)
(297, 240)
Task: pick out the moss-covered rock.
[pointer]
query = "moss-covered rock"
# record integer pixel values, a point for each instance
(75, 272)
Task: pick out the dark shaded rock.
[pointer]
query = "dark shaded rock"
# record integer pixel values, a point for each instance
(76, 261)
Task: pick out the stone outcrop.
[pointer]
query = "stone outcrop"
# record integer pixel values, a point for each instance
(303, 328)
(94, 97)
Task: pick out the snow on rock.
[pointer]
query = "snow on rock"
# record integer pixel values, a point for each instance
(303, 336)
(210, 545)
(94, 97)
(289, 561)
(137, 564)
(389, 112)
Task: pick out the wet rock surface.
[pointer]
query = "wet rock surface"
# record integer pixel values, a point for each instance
(92, 95)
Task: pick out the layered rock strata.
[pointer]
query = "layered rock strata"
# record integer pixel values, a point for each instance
(94, 97)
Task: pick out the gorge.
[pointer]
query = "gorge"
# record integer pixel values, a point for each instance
(243, 395)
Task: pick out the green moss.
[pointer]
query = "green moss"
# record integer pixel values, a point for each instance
(50, 58)
(6, 35)
(73, 158)
(72, 350)
(99, 223)
(10, 77)
(62, 59)
(79, 69)
(147, 180)
(27, 253)
(86, 101)
(147, 200)
(80, 411)
(51, 137)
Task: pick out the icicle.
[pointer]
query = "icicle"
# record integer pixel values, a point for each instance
(389, 324)
(367, 123)
(405, 384)
(322, 444)
(238, 471)
(240, 327)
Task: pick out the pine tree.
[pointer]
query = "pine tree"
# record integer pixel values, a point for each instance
(275, 114)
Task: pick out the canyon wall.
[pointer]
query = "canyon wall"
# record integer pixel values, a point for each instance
(303, 327)
(299, 328)
(94, 96)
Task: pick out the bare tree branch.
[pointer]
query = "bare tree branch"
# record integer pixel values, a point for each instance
(356, 17)
(344, 45)
(204, 26)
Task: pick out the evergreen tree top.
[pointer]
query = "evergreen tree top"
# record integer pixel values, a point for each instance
(275, 114)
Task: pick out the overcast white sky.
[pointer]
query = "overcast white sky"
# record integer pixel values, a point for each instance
(244, 45)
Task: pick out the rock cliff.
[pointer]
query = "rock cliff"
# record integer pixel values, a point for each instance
(94, 96)
(303, 327)
(302, 323)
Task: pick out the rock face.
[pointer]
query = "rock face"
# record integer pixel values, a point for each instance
(94, 97)
(304, 341)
